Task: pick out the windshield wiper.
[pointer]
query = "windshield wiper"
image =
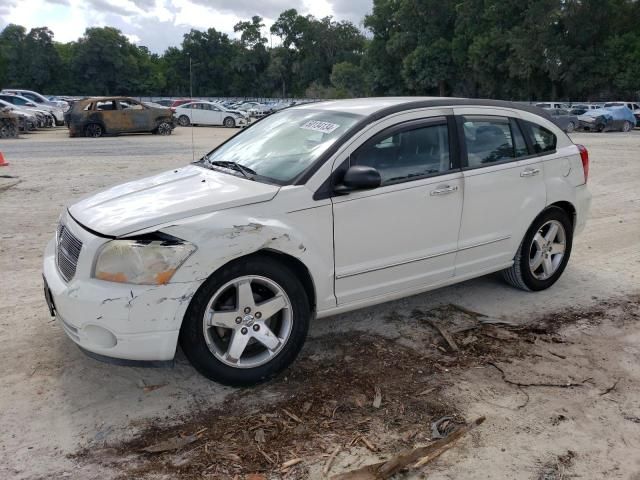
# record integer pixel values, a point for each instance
(245, 171)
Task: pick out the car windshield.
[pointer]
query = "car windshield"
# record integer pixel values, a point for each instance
(281, 146)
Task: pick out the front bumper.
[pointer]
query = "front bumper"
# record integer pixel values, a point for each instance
(117, 320)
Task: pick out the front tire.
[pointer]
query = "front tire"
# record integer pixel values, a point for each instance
(164, 128)
(571, 127)
(247, 322)
(184, 121)
(626, 126)
(229, 122)
(543, 253)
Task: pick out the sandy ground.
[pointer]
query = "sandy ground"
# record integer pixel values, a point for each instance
(55, 402)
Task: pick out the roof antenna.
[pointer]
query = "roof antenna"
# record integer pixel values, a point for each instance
(193, 149)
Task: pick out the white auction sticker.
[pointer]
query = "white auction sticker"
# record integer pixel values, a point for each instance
(318, 126)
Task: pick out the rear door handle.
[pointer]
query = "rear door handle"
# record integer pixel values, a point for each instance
(530, 172)
(444, 190)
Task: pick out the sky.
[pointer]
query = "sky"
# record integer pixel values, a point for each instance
(158, 24)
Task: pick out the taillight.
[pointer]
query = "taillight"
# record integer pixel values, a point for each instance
(584, 156)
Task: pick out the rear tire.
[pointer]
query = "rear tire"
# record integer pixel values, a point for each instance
(626, 126)
(543, 254)
(571, 127)
(93, 130)
(219, 314)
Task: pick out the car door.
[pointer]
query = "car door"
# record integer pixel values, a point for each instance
(217, 115)
(107, 113)
(135, 117)
(504, 188)
(402, 235)
(197, 113)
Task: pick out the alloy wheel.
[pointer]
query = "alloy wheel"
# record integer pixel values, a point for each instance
(248, 321)
(547, 250)
(94, 130)
(164, 129)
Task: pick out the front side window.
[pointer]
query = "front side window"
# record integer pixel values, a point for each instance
(106, 105)
(283, 145)
(408, 154)
(492, 140)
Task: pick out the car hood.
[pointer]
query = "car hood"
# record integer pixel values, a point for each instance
(166, 197)
(237, 112)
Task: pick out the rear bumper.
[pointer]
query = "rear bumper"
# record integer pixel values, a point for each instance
(583, 207)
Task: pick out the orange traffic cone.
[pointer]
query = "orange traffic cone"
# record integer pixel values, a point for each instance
(3, 162)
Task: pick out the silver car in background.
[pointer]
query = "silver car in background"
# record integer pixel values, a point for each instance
(56, 107)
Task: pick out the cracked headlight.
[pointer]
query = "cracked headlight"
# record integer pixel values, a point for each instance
(149, 260)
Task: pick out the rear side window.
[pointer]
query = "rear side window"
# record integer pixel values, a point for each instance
(407, 154)
(492, 140)
(543, 140)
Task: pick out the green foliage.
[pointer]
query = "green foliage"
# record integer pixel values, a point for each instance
(540, 49)
(349, 80)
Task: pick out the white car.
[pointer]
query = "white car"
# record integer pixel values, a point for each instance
(208, 113)
(58, 115)
(552, 105)
(316, 210)
(58, 106)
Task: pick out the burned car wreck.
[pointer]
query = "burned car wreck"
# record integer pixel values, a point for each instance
(9, 123)
(94, 117)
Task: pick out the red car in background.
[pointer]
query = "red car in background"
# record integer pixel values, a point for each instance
(181, 101)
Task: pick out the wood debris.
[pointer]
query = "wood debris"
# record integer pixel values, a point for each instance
(377, 398)
(290, 463)
(173, 443)
(151, 388)
(414, 458)
(331, 459)
(292, 416)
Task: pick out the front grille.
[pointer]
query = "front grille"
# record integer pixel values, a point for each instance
(67, 253)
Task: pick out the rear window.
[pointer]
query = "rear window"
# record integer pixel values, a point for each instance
(542, 139)
(492, 140)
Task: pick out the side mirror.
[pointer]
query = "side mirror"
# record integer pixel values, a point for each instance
(358, 177)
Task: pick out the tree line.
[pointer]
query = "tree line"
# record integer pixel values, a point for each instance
(511, 49)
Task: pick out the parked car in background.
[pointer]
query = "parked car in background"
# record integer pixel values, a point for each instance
(51, 112)
(564, 119)
(552, 105)
(254, 109)
(28, 120)
(9, 123)
(94, 117)
(316, 210)
(633, 106)
(608, 119)
(164, 102)
(58, 106)
(208, 113)
(580, 108)
(181, 101)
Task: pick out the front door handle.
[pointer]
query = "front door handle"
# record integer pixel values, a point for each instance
(444, 190)
(530, 172)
